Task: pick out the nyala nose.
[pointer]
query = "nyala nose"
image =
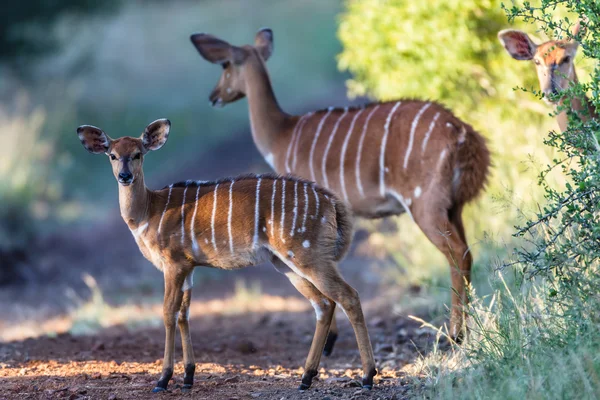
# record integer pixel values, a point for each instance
(125, 177)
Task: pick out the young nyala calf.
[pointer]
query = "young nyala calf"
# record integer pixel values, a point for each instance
(301, 228)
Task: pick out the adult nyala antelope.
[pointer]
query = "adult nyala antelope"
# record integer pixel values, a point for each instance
(555, 69)
(383, 158)
(303, 229)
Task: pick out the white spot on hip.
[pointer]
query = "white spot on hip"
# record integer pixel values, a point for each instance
(291, 254)
(418, 192)
(306, 244)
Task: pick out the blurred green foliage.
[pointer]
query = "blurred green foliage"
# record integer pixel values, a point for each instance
(440, 50)
(27, 27)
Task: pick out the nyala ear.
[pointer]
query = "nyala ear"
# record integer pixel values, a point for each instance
(93, 139)
(263, 41)
(578, 30)
(215, 50)
(156, 134)
(517, 44)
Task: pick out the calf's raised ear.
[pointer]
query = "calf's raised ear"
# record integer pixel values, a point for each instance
(518, 44)
(215, 50)
(156, 134)
(93, 139)
(263, 41)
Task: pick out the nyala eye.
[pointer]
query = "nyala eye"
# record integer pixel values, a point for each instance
(565, 60)
(536, 61)
(137, 156)
(113, 157)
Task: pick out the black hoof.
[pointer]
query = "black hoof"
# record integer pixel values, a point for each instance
(367, 382)
(328, 349)
(307, 378)
(158, 389)
(186, 389)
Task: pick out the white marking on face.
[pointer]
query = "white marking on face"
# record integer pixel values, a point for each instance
(270, 159)
(328, 147)
(303, 228)
(310, 114)
(306, 244)
(428, 133)
(343, 153)
(318, 310)
(386, 132)
(316, 200)
(227, 75)
(255, 239)
(314, 144)
(206, 240)
(283, 184)
(192, 232)
(290, 254)
(229, 214)
(418, 192)
(228, 90)
(189, 282)
(402, 201)
(413, 129)
(295, 210)
(212, 219)
(264, 228)
(323, 220)
(273, 207)
(165, 210)
(359, 151)
(183, 214)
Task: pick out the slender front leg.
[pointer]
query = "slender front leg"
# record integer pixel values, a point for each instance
(172, 302)
(186, 342)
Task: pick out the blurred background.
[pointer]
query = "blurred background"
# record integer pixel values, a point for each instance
(120, 64)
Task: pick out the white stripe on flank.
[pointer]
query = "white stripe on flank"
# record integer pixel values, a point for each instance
(405, 202)
(303, 229)
(292, 141)
(183, 214)
(359, 151)
(314, 143)
(295, 211)
(192, 232)
(317, 200)
(431, 126)
(329, 142)
(272, 222)
(283, 184)
(304, 121)
(386, 131)
(229, 216)
(212, 219)
(413, 129)
(165, 210)
(343, 154)
(255, 240)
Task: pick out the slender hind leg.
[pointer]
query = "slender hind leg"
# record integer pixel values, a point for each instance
(445, 230)
(331, 337)
(186, 341)
(324, 310)
(172, 303)
(328, 281)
